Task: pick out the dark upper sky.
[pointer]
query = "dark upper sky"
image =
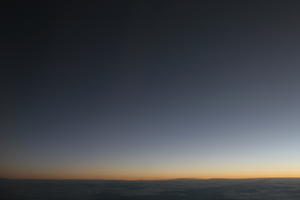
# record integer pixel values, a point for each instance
(150, 89)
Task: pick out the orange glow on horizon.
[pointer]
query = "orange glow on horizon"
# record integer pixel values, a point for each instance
(153, 176)
(154, 172)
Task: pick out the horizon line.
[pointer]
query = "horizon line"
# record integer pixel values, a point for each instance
(170, 179)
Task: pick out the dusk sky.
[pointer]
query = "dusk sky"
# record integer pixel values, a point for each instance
(150, 90)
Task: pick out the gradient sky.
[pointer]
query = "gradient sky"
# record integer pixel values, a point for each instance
(151, 90)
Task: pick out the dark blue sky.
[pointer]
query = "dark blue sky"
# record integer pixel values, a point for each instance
(151, 89)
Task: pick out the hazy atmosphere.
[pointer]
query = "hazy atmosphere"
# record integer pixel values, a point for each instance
(151, 90)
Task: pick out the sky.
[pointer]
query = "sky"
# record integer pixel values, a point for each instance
(150, 90)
